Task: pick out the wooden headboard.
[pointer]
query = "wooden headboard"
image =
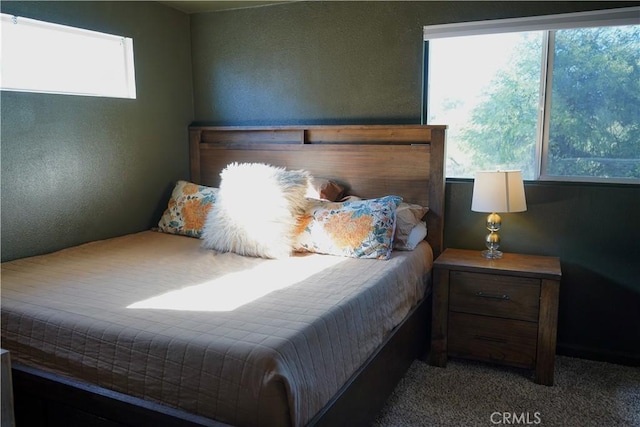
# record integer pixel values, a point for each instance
(370, 161)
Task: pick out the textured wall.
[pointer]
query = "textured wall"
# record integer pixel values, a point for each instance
(361, 62)
(326, 62)
(77, 168)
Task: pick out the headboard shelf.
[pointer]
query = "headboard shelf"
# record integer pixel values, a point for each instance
(319, 134)
(370, 160)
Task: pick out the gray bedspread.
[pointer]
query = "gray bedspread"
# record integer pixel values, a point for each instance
(242, 340)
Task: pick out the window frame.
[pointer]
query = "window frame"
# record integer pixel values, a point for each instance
(548, 24)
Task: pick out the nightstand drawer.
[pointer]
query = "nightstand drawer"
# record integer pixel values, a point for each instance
(493, 339)
(494, 295)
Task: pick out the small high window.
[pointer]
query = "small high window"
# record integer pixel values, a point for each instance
(39, 56)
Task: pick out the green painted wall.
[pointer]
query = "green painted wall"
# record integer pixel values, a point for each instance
(76, 169)
(361, 62)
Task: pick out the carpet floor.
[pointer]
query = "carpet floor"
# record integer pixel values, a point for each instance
(466, 393)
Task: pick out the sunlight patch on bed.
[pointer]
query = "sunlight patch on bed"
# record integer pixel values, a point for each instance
(234, 290)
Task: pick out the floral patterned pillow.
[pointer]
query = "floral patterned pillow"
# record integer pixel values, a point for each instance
(357, 229)
(187, 209)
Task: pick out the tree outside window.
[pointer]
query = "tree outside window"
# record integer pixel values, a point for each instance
(591, 125)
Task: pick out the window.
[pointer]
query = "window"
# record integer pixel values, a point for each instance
(557, 97)
(39, 56)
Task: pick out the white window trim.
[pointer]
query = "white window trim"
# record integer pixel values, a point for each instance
(549, 23)
(597, 18)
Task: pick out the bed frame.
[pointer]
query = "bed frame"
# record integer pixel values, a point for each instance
(370, 161)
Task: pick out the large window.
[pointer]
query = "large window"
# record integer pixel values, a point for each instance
(39, 56)
(557, 97)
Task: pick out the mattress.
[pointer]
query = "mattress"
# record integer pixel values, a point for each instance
(242, 340)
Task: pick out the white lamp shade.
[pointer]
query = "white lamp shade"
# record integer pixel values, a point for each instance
(498, 191)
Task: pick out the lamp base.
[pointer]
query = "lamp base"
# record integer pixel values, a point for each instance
(492, 254)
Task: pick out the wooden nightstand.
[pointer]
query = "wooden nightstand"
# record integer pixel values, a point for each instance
(502, 311)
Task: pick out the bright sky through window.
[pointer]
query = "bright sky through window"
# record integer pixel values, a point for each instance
(39, 56)
(462, 72)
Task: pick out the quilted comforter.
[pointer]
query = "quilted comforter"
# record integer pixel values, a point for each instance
(245, 341)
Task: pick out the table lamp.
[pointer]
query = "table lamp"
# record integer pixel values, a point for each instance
(497, 192)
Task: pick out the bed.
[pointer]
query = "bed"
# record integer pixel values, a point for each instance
(134, 330)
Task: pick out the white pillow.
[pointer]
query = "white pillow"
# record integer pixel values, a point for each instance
(408, 217)
(417, 235)
(256, 210)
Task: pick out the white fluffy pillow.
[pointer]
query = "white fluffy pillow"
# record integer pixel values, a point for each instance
(256, 210)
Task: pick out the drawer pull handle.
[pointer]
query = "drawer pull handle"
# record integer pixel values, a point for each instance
(492, 339)
(483, 295)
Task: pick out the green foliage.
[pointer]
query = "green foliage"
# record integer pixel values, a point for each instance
(595, 107)
(595, 115)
